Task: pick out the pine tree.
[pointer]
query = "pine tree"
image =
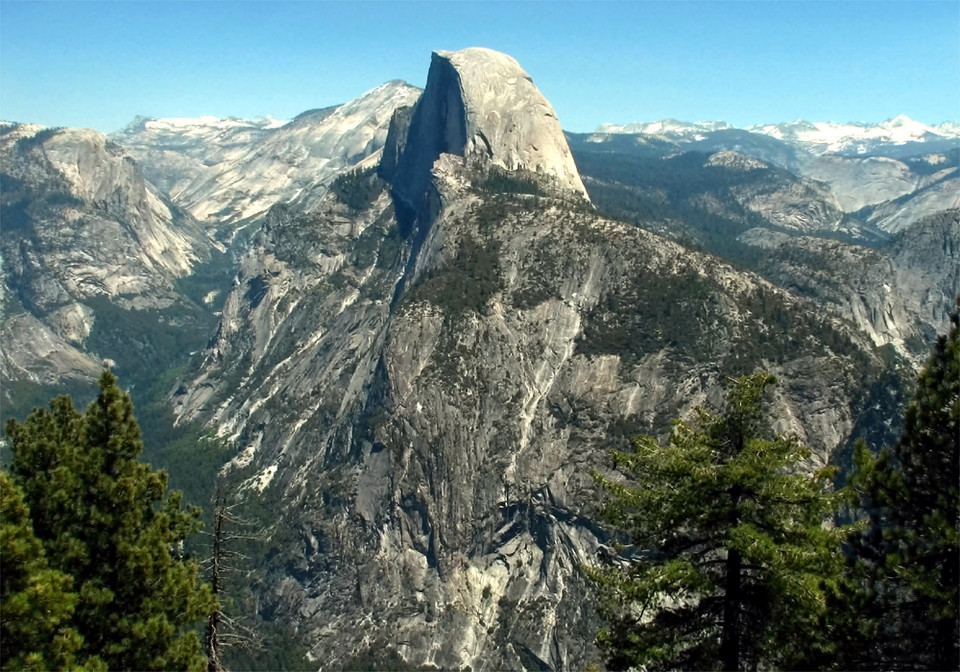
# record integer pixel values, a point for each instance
(36, 602)
(106, 520)
(731, 562)
(908, 558)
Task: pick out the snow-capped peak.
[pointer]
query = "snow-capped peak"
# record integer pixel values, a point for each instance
(667, 127)
(830, 136)
(200, 126)
(818, 137)
(210, 122)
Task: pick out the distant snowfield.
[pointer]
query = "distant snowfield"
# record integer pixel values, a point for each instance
(819, 136)
(210, 122)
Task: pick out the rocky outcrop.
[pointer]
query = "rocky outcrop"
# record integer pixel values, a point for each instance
(899, 294)
(793, 204)
(429, 443)
(175, 153)
(34, 352)
(926, 259)
(939, 192)
(80, 223)
(481, 105)
(423, 410)
(259, 166)
(861, 181)
(417, 415)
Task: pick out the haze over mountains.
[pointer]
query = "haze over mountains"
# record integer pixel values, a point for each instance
(418, 319)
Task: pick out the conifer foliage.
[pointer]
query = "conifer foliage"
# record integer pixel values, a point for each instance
(110, 535)
(908, 558)
(36, 603)
(731, 562)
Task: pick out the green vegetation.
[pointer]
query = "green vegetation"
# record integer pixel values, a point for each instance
(36, 602)
(737, 561)
(19, 397)
(920, 166)
(666, 196)
(358, 188)
(28, 142)
(21, 205)
(147, 344)
(542, 276)
(731, 564)
(279, 651)
(653, 310)
(120, 594)
(467, 282)
(908, 557)
(498, 181)
(214, 275)
(779, 330)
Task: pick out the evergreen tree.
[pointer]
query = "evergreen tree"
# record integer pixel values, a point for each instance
(105, 520)
(908, 558)
(36, 602)
(731, 563)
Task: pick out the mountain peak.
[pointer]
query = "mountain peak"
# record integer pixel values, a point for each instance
(479, 103)
(900, 120)
(667, 127)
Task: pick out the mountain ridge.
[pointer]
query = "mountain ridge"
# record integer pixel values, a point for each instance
(423, 404)
(412, 410)
(815, 137)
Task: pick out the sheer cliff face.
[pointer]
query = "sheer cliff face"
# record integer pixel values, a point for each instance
(79, 182)
(480, 104)
(422, 414)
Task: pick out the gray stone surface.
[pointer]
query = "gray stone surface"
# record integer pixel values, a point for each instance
(226, 172)
(481, 105)
(82, 223)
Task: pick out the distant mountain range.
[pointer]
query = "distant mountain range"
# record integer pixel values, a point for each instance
(819, 137)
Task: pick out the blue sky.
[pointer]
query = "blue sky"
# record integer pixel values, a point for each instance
(97, 65)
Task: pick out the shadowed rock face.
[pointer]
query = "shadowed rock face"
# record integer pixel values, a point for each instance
(480, 104)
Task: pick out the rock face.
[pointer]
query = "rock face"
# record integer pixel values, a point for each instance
(431, 452)
(416, 410)
(480, 104)
(243, 168)
(175, 153)
(838, 231)
(420, 412)
(80, 224)
(859, 182)
(939, 193)
(82, 221)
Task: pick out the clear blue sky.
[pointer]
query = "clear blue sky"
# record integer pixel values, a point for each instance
(98, 64)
